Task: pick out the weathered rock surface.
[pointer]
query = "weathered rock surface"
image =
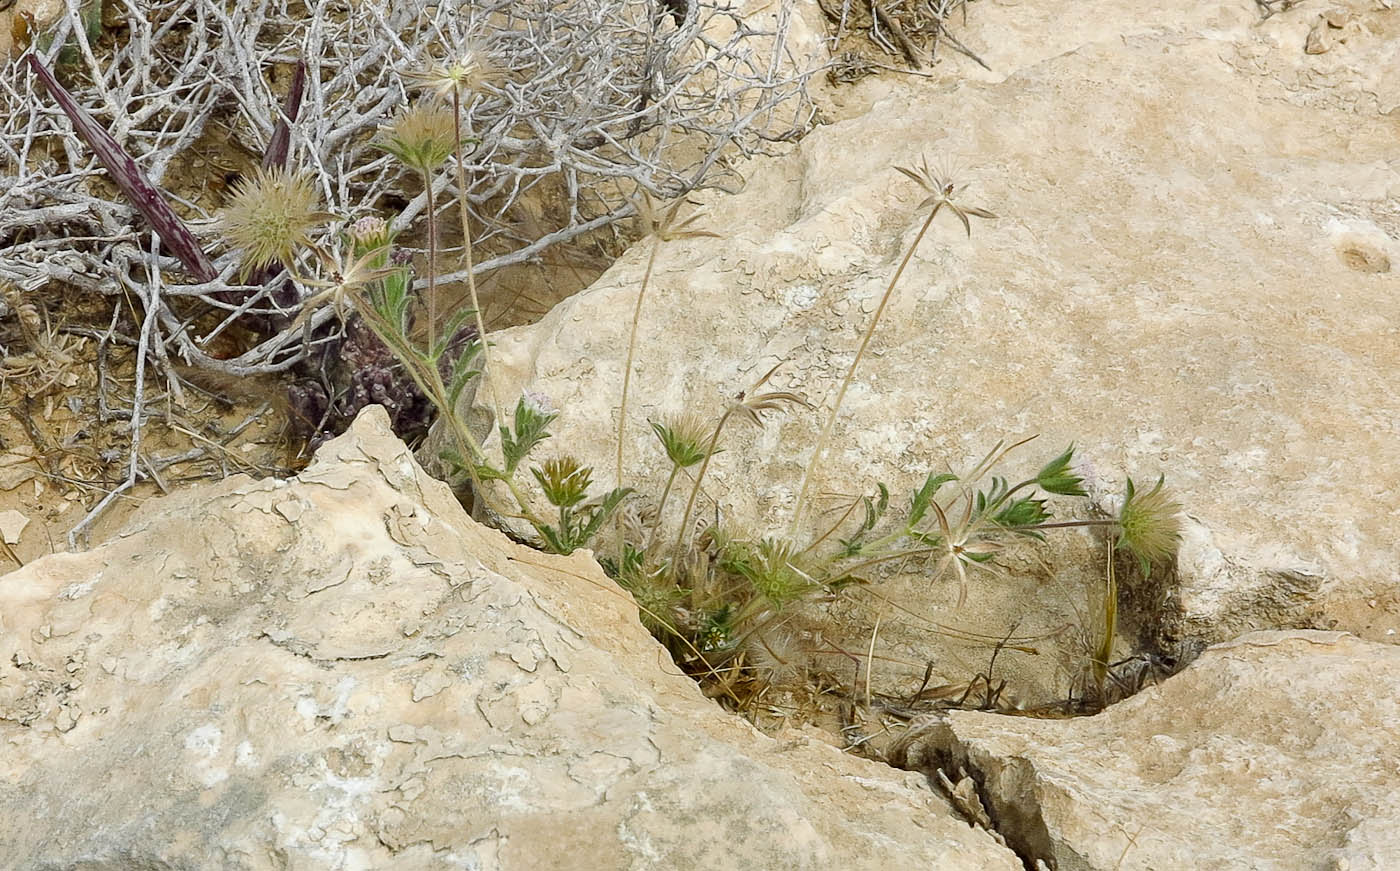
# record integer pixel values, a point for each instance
(16, 19)
(1278, 751)
(342, 671)
(1193, 273)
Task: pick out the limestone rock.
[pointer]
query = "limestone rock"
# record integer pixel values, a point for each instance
(1274, 752)
(1191, 275)
(343, 671)
(21, 18)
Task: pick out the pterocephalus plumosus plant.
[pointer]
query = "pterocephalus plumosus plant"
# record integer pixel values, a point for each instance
(724, 602)
(658, 225)
(730, 596)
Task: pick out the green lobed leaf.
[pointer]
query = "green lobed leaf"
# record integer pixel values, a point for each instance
(531, 428)
(918, 505)
(1022, 513)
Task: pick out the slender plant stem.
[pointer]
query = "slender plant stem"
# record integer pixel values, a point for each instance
(486, 369)
(425, 374)
(831, 530)
(627, 377)
(1072, 524)
(699, 476)
(661, 509)
(1110, 626)
(432, 263)
(819, 452)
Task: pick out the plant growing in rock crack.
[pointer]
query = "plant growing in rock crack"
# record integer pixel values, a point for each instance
(725, 603)
(273, 219)
(730, 599)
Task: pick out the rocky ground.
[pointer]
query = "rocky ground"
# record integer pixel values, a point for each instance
(1191, 274)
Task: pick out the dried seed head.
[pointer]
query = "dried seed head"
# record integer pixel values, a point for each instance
(472, 71)
(662, 223)
(270, 216)
(421, 137)
(942, 186)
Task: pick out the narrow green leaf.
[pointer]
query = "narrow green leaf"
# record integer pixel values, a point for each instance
(918, 505)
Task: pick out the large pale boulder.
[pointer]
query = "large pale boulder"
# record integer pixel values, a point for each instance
(1278, 751)
(1191, 274)
(342, 671)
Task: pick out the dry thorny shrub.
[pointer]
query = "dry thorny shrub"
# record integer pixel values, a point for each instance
(601, 98)
(911, 31)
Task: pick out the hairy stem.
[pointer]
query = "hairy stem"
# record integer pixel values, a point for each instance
(627, 375)
(699, 476)
(661, 509)
(1104, 653)
(425, 374)
(819, 452)
(432, 263)
(486, 369)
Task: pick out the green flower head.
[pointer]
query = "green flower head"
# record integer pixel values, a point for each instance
(270, 216)
(421, 137)
(1149, 524)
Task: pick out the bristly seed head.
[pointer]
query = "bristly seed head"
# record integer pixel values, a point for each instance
(1149, 524)
(685, 437)
(421, 137)
(270, 216)
(661, 222)
(471, 71)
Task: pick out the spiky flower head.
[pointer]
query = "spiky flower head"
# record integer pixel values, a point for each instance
(270, 216)
(1149, 524)
(942, 187)
(368, 230)
(470, 71)
(662, 223)
(773, 571)
(421, 137)
(685, 437)
(564, 481)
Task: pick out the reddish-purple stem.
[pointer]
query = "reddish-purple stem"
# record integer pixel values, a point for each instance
(133, 182)
(275, 157)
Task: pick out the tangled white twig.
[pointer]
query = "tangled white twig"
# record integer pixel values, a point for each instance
(601, 98)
